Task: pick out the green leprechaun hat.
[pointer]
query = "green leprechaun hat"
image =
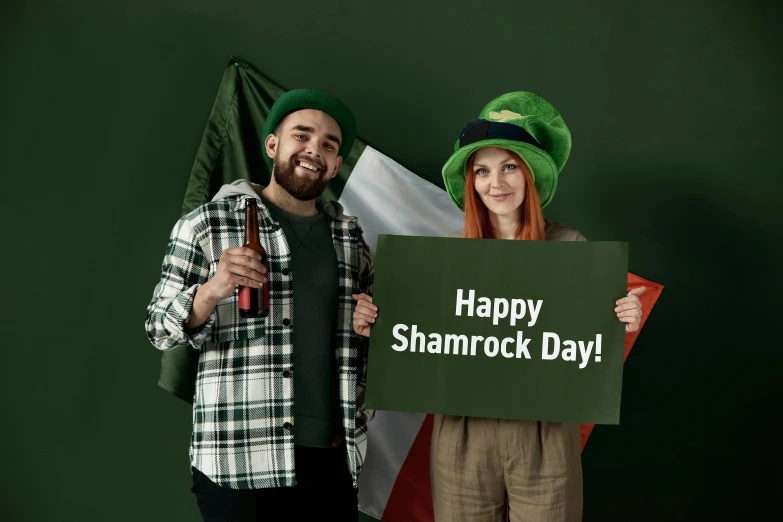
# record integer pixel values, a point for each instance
(521, 122)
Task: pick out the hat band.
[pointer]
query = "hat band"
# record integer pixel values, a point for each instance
(479, 130)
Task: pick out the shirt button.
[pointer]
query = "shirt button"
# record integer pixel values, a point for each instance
(286, 322)
(286, 272)
(286, 373)
(287, 425)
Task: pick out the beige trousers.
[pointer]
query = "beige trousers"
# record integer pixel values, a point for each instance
(476, 463)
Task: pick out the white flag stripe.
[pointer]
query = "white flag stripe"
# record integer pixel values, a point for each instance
(389, 199)
(390, 437)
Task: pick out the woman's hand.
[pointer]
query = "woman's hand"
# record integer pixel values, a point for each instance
(629, 309)
(364, 314)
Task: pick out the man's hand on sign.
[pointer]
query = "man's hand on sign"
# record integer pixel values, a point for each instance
(629, 309)
(364, 314)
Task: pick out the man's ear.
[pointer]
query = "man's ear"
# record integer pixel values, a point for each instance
(271, 142)
(337, 167)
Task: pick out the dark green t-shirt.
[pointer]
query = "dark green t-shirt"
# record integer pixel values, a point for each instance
(314, 276)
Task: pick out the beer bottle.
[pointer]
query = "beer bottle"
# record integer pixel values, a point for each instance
(254, 302)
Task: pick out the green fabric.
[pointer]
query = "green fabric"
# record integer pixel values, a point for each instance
(299, 99)
(231, 149)
(539, 118)
(314, 274)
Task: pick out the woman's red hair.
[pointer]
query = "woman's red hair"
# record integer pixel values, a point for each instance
(477, 224)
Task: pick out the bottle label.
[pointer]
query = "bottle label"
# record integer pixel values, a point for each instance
(244, 297)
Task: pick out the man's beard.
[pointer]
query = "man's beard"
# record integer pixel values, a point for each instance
(301, 188)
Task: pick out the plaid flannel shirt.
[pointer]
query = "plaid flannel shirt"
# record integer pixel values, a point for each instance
(243, 407)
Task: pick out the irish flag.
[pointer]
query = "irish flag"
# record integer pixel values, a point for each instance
(388, 199)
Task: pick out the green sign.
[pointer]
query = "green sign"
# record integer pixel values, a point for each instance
(500, 329)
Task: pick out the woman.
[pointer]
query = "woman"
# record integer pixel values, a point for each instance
(503, 172)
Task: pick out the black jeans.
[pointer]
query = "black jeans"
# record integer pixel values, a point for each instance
(324, 491)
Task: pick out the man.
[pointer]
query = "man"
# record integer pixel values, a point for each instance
(279, 425)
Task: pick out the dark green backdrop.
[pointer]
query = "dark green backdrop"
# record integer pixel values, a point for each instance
(676, 112)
